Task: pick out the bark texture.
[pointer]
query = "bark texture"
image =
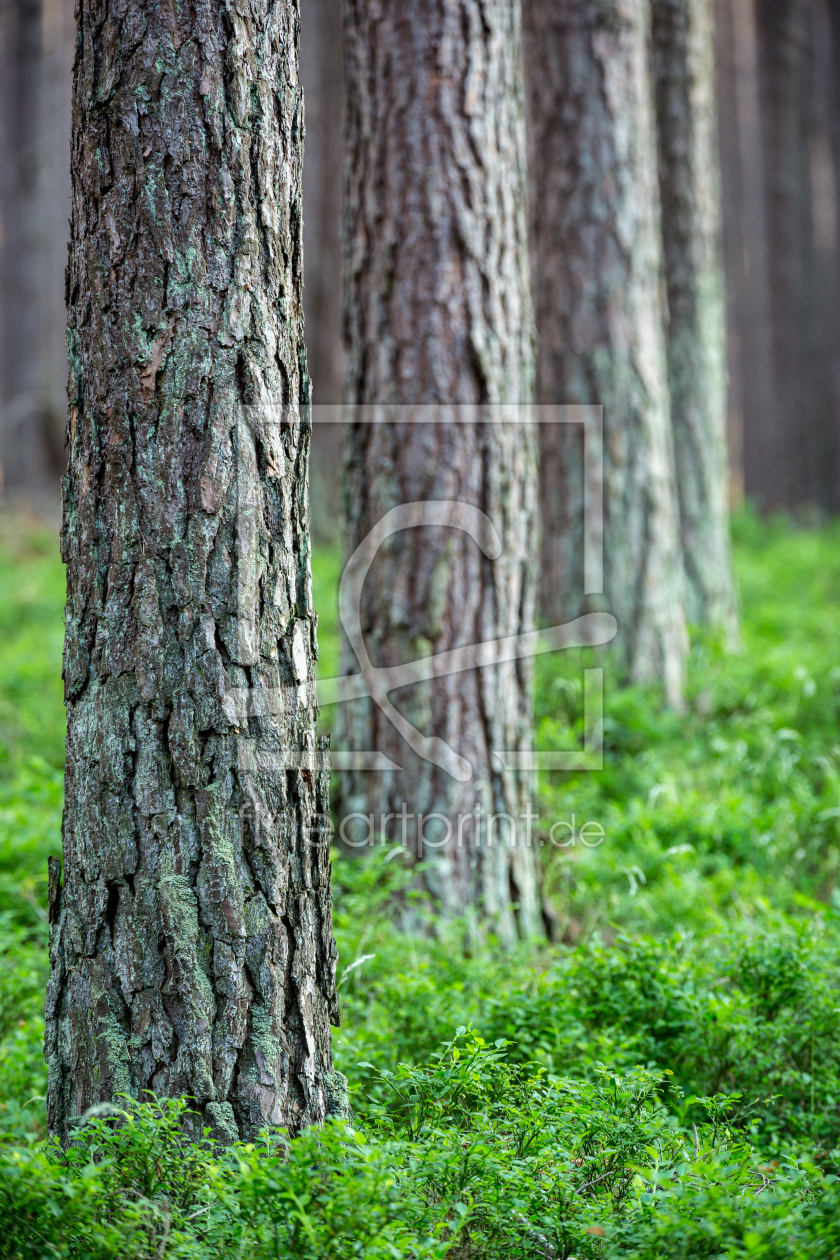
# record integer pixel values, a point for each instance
(689, 185)
(597, 266)
(36, 51)
(191, 947)
(437, 310)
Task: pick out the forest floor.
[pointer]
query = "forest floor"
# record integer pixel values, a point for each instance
(662, 1081)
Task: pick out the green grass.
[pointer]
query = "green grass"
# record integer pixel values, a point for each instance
(670, 1082)
(326, 571)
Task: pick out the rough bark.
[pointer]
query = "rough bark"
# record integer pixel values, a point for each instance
(689, 187)
(36, 42)
(597, 266)
(322, 75)
(191, 947)
(437, 310)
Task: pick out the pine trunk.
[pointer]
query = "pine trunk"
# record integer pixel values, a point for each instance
(689, 186)
(191, 947)
(597, 266)
(788, 214)
(785, 70)
(323, 79)
(34, 206)
(754, 419)
(437, 311)
(56, 89)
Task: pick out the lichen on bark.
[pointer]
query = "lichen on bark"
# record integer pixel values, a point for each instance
(191, 944)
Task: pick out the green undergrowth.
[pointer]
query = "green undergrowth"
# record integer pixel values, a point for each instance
(468, 1155)
(753, 1011)
(663, 1080)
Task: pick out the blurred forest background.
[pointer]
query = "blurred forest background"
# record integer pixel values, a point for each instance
(777, 83)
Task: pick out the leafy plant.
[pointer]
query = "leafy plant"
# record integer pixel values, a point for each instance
(662, 1081)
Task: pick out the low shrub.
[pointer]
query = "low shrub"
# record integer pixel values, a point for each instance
(470, 1156)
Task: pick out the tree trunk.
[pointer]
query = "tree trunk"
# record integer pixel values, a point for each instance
(322, 76)
(35, 49)
(829, 32)
(753, 404)
(596, 265)
(56, 87)
(791, 390)
(437, 311)
(689, 186)
(322, 71)
(784, 77)
(732, 235)
(191, 948)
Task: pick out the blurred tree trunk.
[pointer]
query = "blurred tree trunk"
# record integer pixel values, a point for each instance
(596, 265)
(732, 237)
(191, 947)
(437, 310)
(36, 50)
(754, 415)
(322, 76)
(689, 187)
(800, 248)
(782, 260)
(829, 34)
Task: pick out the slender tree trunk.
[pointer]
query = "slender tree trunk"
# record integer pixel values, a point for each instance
(782, 258)
(732, 233)
(822, 263)
(783, 70)
(34, 205)
(191, 948)
(437, 310)
(322, 75)
(689, 185)
(829, 32)
(597, 267)
(780, 141)
(56, 87)
(747, 266)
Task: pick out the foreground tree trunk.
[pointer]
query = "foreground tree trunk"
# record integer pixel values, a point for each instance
(437, 311)
(191, 947)
(596, 266)
(689, 185)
